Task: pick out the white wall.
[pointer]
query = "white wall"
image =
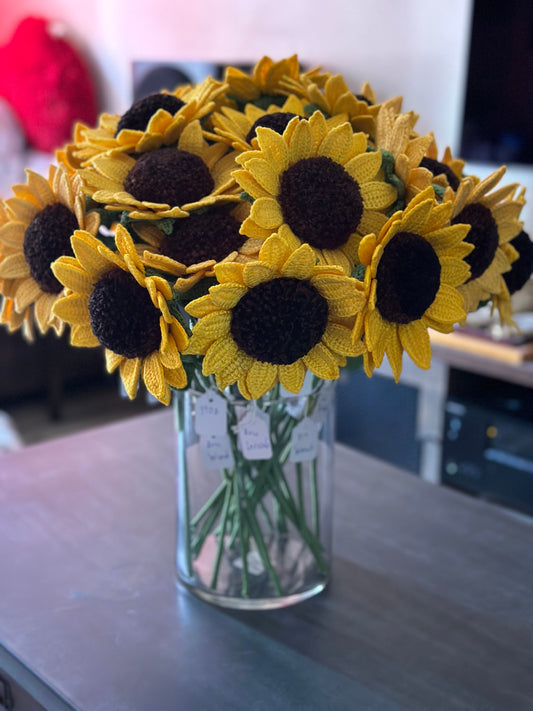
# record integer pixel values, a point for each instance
(411, 47)
(416, 48)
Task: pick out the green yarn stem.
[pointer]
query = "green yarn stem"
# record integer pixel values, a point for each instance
(236, 513)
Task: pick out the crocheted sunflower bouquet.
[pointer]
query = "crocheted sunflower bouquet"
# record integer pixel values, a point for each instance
(246, 235)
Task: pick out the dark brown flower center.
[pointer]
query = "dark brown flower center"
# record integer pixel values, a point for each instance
(123, 317)
(362, 97)
(47, 238)
(483, 235)
(277, 121)
(139, 114)
(522, 267)
(208, 235)
(320, 202)
(279, 321)
(169, 176)
(408, 278)
(437, 168)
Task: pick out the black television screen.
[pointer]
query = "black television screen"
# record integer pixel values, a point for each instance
(498, 113)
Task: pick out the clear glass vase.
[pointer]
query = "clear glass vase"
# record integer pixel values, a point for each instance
(255, 494)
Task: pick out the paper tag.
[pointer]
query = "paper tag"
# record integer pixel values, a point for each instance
(323, 404)
(254, 435)
(304, 441)
(211, 414)
(216, 452)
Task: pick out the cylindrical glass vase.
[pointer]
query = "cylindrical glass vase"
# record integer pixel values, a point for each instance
(255, 494)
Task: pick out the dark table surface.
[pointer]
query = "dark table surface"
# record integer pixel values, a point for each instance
(430, 605)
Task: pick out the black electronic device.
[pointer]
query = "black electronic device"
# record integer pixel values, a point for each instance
(488, 448)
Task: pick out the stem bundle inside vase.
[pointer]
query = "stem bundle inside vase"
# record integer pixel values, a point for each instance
(259, 529)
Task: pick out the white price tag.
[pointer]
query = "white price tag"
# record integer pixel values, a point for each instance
(211, 414)
(254, 434)
(304, 441)
(216, 452)
(321, 409)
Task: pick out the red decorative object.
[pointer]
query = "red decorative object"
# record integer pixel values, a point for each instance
(47, 83)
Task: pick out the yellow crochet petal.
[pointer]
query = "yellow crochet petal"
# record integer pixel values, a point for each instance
(154, 377)
(176, 378)
(264, 174)
(338, 338)
(125, 245)
(169, 354)
(130, 369)
(447, 238)
(333, 287)
(112, 360)
(165, 264)
(179, 335)
(300, 264)
(115, 169)
(292, 376)
(364, 167)
(23, 210)
(226, 296)
(453, 271)
(68, 271)
(249, 184)
(85, 248)
(40, 187)
(201, 307)
(274, 251)
(82, 335)
(338, 257)
(14, 267)
(342, 308)
(261, 378)
(447, 306)
(256, 273)
(12, 234)
(415, 220)
(414, 338)
(253, 230)
(301, 143)
(73, 309)
(192, 139)
(394, 356)
(320, 362)
(266, 212)
(371, 221)
(337, 143)
(366, 249)
(219, 355)
(43, 310)
(377, 195)
(27, 293)
(378, 333)
(276, 151)
(440, 215)
(209, 329)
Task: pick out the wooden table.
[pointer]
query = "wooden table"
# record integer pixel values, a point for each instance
(430, 607)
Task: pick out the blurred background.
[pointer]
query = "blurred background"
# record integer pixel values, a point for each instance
(464, 66)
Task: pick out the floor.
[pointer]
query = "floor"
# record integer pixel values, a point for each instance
(29, 421)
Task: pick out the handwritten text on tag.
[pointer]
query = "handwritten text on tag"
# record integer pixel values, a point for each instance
(304, 441)
(254, 435)
(211, 414)
(216, 452)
